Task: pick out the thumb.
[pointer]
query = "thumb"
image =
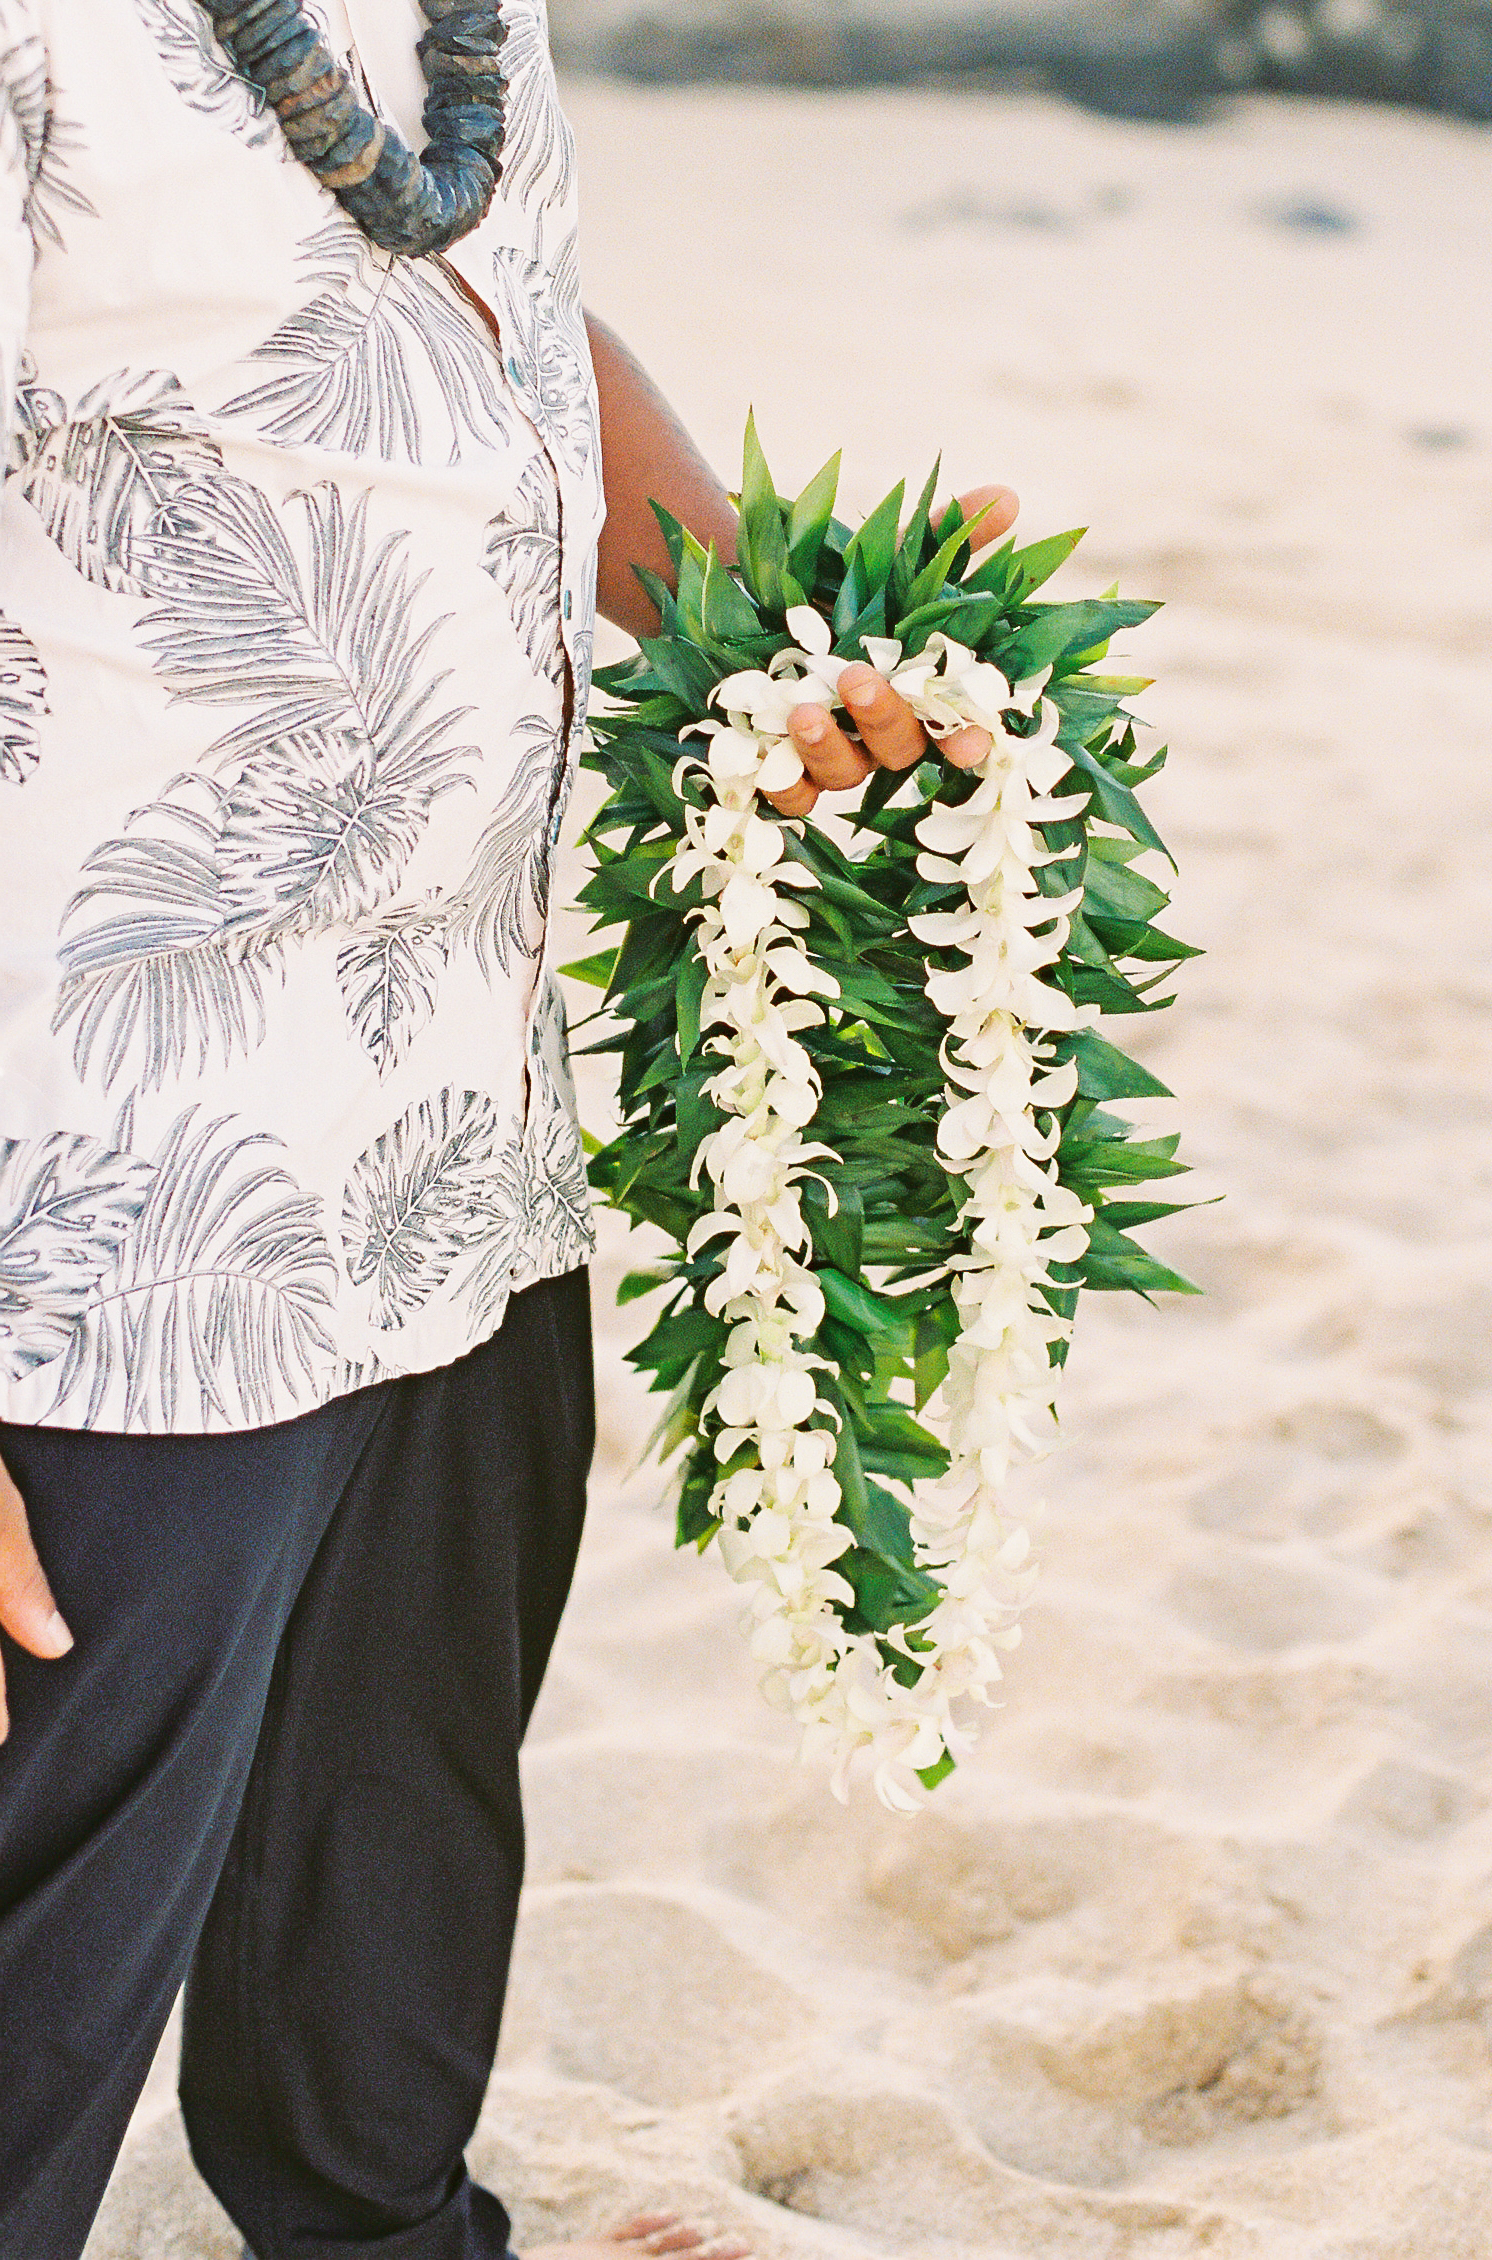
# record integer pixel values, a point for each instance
(27, 1610)
(1003, 505)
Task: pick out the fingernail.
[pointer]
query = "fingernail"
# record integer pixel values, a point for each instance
(812, 732)
(55, 1637)
(859, 694)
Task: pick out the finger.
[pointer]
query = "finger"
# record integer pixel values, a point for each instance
(681, 2239)
(892, 734)
(798, 800)
(965, 748)
(733, 2249)
(826, 753)
(27, 1609)
(1005, 508)
(646, 2224)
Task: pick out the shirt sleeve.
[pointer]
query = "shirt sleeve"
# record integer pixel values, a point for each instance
(18, 96)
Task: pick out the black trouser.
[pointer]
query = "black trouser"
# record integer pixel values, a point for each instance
(284, 1751)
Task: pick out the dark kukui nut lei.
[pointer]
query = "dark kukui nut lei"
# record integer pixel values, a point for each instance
(404, 203)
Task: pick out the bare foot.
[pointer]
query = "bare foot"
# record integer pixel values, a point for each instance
(650, 2232)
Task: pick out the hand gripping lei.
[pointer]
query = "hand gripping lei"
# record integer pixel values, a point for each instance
(404, 203)
(861, 1089)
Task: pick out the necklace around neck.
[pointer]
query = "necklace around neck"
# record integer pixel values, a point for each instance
(404, 203)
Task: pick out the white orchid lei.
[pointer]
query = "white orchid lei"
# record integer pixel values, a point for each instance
(863, 1091)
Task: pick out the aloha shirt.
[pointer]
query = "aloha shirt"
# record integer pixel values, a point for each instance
(297, 586)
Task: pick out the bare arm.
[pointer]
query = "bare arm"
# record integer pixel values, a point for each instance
(647, 455)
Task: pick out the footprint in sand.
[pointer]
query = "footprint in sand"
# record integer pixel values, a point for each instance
(644, 1992)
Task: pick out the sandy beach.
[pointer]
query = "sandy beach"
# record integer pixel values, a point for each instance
(1194, 1961)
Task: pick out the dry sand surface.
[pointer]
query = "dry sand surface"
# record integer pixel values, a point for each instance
(1196, 1958)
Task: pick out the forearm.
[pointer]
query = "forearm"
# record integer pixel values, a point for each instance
(646, 456)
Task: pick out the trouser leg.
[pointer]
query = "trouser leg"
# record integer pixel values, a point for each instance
(343, 2008)
(176, 1561)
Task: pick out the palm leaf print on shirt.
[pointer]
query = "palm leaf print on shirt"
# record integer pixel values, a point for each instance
(412, 1198)
(224, 1284)
(199, 70)
(538, 141)
(48, 141)
(503, 899)
(322, 792)
(522, 553)
(104, 479)
(23, 703)
(542, 324)
(385, 359)
(66, 1205)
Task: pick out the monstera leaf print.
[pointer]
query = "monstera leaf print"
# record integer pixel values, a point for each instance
(48, 139)
(223, 1289)
(522, 553)
(537, 1213)
(389, 975)
(386, 358)
(199, 70)
(321, 796)
(23, 703)
(409, 1204)
(538, 145)
(103, 482)
(66, 1205)
(503, 899)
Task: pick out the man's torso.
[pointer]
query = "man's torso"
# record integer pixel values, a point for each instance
(297, 569)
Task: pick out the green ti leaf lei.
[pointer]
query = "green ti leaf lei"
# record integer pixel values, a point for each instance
(881, 1237)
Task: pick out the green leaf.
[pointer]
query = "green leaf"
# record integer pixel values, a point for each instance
(693, 976)
(1114, 1264)
(910, 550)
(1115, 802)
(672, 531)
(930, 1776)
(808, 522)
(696, 1526)
(595, 971)
(1059, 629)
(761, 541)
(868, 558)
(855, 1305)
(684, 668)
(1105, 1073)
(1127, 1214)
(895, 1444)
(726, 611)
(682, 1336)
(637, 1283)
(655, 587)
(937, 1331)
(837, 1238)
(936, 571)
(1035, 565)
(695, 1115)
